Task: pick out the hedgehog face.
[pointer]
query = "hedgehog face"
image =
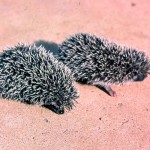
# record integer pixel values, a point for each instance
(135, 65)
(142, 73)
(139, 77)
(63, 98)
(57, 107)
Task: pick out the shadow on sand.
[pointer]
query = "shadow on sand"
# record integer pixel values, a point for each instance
(49, 46)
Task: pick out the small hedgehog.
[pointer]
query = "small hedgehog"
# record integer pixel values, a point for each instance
(29, 75)
(99, 62)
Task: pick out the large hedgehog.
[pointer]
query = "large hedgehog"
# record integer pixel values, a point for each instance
(28, 74)
(99, 62)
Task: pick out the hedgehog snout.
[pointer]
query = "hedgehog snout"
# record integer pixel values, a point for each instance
(56, 107)
(139, 77)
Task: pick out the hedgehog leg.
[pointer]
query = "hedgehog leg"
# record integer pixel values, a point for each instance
(106, 88)
(109, 90)
(58, 109)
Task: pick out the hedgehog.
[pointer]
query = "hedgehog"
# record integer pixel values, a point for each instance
(29, 75)
(97, 61)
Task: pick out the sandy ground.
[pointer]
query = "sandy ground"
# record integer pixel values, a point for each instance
(98, 122)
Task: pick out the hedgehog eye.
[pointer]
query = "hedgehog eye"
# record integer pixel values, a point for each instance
(127, 66)
(59, 103)
(135, 72)
(71, 89)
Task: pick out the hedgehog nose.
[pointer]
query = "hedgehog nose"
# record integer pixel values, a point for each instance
(60, 111)
(140, 77)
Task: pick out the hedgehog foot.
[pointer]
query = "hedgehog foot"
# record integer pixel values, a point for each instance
(110, 91)
(105, 88)
(55, 108)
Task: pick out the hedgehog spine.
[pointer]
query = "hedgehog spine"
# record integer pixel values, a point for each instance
(31, 75)
(97, 61)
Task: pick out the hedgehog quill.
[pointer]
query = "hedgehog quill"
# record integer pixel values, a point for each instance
(97, 61)
(29, 75)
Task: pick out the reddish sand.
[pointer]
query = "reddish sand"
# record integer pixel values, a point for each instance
(98, 122)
